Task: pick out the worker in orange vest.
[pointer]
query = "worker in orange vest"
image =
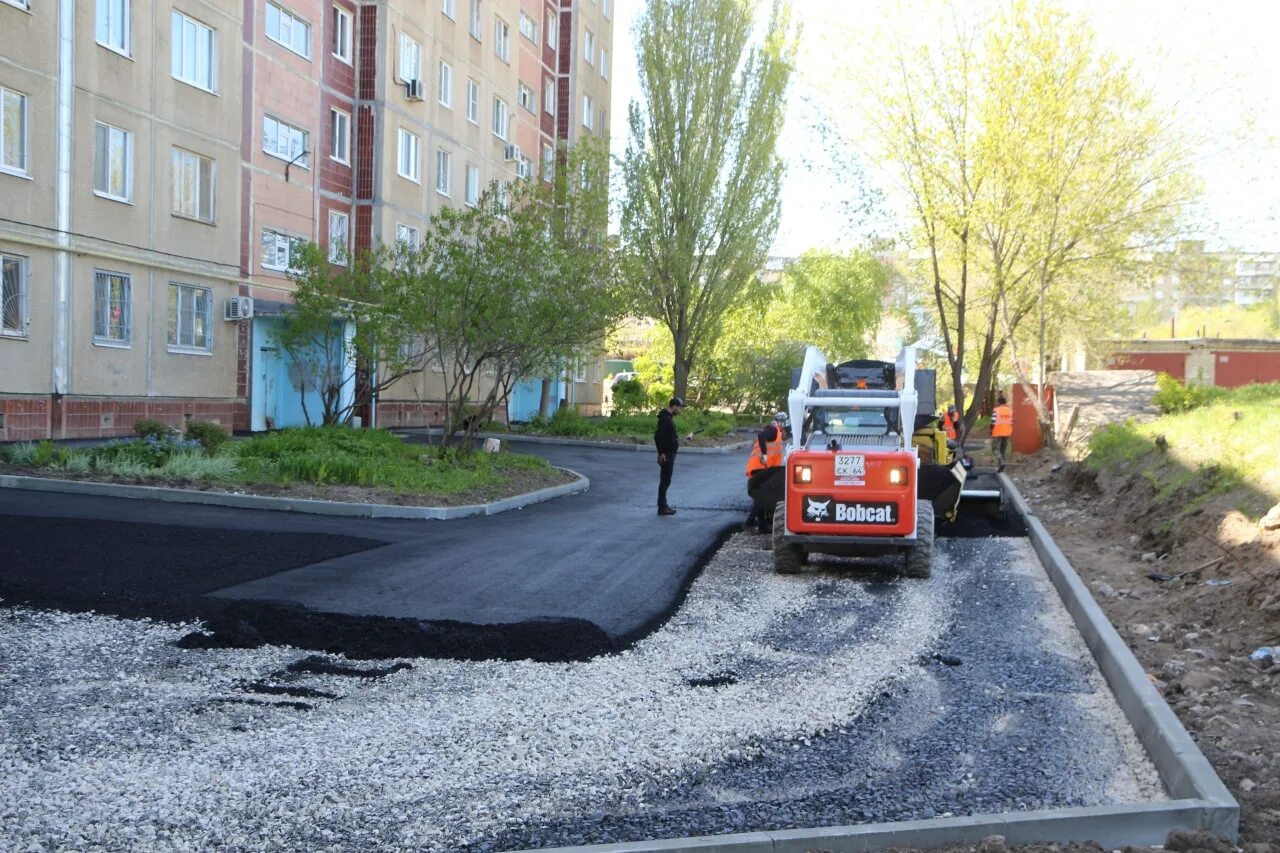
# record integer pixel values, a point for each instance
(950, 420)
(1001, 429)
(765, 454)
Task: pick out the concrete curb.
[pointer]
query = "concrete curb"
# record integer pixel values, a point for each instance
(582, 442)
(314, 507)
(1200, 801)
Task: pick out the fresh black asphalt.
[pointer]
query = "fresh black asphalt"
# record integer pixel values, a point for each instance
(566, 579)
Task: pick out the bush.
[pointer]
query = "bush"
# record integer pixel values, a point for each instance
(192, 464)
(210, 435)
(151, 428)
(1113, 444)
(568, 422)
(1173, 396)
(629, 397)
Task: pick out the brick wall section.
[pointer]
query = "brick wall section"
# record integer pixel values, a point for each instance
(25, 418)
(564, 108)
(364, 129)
(30, 418)
(246, 141)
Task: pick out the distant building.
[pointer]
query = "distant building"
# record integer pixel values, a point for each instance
(1190, 276)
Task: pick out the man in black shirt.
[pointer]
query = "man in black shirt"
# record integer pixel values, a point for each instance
(667, 440)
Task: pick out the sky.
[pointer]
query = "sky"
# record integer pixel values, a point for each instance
(1215, 63)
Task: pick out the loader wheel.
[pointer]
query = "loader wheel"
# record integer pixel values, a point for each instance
(920, 557)
(787, 559)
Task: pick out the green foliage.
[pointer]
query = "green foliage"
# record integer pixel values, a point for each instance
(629, 397)
(194, 464)
(1173, 396)
(46, 454)
(22, 454)
(77, 463)
(6, 453)
(210, 435)
(151, 428)
(1116, 444)
(567, 421)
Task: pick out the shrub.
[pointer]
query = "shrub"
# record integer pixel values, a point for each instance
(1113, 444)
(22, 454)
(151, 428)
(568, 422)
(210, 435)
(192, 464)
(46, 454)
(1173, 396)
(629, 397)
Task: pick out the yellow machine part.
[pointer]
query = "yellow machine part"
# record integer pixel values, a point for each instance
(931, 443)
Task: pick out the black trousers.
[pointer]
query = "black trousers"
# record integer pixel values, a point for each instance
(664, 478)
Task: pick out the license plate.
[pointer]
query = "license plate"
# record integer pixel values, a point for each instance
(851, 465)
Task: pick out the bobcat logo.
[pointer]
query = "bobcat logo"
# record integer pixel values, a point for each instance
(817, 510)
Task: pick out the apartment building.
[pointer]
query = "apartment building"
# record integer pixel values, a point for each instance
(1191, 276)
(161, 162)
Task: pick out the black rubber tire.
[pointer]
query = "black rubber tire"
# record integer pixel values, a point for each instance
(920, 557)
(787, 559)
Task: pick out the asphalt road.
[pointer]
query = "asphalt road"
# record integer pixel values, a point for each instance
(559, 580)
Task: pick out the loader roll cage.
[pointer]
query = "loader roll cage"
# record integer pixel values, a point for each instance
(897, 406)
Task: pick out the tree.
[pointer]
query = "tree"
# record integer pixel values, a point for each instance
(701, 171)
(343, 317)
(1033, 164)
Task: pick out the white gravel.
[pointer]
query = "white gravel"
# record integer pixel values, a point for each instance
(115, 739)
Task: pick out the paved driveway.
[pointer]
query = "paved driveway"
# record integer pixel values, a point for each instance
(601, 565)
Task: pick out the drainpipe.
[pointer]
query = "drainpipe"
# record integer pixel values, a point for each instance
(62, 198)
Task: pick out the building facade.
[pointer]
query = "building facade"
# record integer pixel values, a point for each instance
(162, 162)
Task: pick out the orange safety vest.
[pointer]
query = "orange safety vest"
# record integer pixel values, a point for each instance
(948, 425)
(772, 454)
(1002, 426)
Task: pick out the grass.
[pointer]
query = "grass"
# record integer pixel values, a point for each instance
(323, 456)
(1231, 437)
(568, 423)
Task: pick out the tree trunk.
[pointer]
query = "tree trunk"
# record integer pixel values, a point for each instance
(544, 397)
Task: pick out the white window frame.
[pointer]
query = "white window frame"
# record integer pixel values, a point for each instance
(116, 26)
(21, 4)
(282, 245)
(527, 98)
(449, 8)
(444, 91)
(588, 113)
(178, 58)
(603, 116)
(14, 305)
(181, 159)
(339, 248)
(102, 304)
(188, 293)
(473, 101)
(444, 173)
(414, 155)
(410, 65)
(589, 47)
(528, 27)
(551, 32)
(286, 20)
(604, 64)
(472, 188)
(549, 95)
(340, 136)
(103, 156)
(290, 133)
(579, 370)
(502, 39)
(501, 119)
(607, 9)
(548, 162)
(408, 235)
(343, 35)
(475, 22)
(7, 97)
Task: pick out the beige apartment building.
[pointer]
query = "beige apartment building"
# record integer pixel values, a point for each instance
(160, 163)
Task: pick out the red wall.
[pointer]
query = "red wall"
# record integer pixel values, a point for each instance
(1242, 368)
(1172, 363)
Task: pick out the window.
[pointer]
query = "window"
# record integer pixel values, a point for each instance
(549, 95)
(279, 251)
(607, 8)
(604, 122)
(502, 39)
(194, 57)
(338, 238)
(604, 63)
(190, 316)
(474, 26)
(292, 32)
(473, 185)
(13, 131)
(340, 136)
(407, 236)
(589, 47)
(13, 295)
(528, 28)
(21, 4)
(526, 98)
(112, 167)
(473, 101)
(342, 34)
(113, 25)
(588, 113)
(552, 29)
(501, 118)
(112, 312)
(410, 59)
(285, 141)
(548, 162)
(449, 8)
(193, 183)
(579, 370)
(407, 157)
(446, 84)
(444, 172)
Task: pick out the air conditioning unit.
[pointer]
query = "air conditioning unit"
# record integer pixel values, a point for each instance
(414, 89)
(237, 308)
(524, 168)
(511, 153)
